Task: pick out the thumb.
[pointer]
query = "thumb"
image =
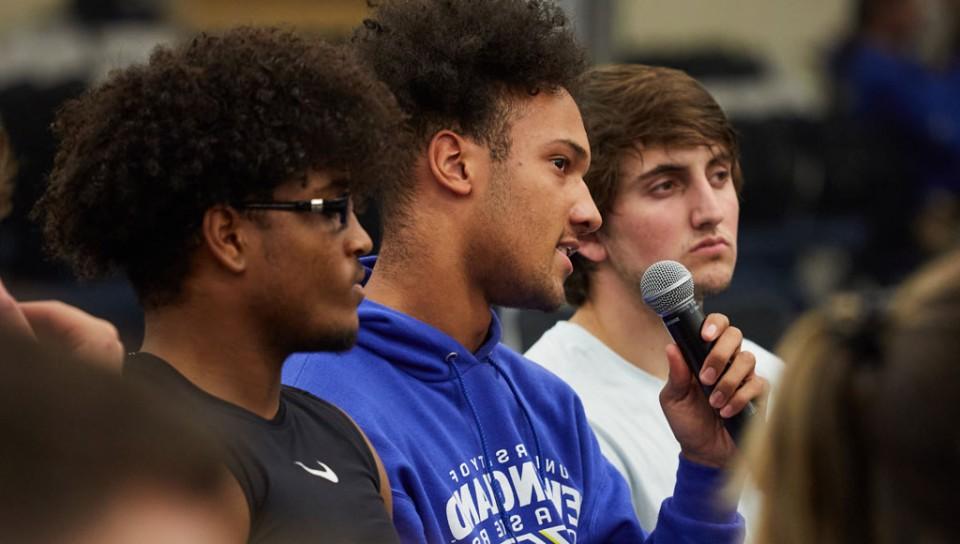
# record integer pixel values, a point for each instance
(678, 380)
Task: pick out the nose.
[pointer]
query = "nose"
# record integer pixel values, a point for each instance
(705, 210)
(584, 214)
(356, 242)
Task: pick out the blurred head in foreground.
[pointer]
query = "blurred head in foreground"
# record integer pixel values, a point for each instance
(88, 458)
(863, 444)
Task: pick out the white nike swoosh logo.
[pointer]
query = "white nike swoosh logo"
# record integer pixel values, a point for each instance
(324, 471)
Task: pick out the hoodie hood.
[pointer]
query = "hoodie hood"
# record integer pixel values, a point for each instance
(413, 346)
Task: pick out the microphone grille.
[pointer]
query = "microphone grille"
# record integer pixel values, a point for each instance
(666, 286)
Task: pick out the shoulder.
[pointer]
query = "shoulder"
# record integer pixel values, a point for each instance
(562, 347)
(303, 404)
(302, 398)
(593, 369)
(358, 382)
(340, 378)
(548, 395)
(550, 344)
(309, 370)
(523, 368)
(312, 411)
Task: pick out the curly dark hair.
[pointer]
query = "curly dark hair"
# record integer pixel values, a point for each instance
(217, 119)
(454, 63)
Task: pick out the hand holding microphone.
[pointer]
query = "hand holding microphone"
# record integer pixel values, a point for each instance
(704, 358)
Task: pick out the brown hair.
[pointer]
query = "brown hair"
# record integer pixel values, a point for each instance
(627, 107)
(862, 444)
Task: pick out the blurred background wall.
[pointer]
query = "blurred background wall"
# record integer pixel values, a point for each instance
(827, 204)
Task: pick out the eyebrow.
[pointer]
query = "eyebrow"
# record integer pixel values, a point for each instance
(661, 169)
(670, 168)
(577, 149)
(721, 157)
(337, 186)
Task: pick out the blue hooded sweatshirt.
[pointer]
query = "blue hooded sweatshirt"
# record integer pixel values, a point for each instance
(488, 446)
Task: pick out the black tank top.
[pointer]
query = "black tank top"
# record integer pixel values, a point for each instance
(308, 475)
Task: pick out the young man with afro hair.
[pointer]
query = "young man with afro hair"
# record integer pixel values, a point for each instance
(218, 177)
(482, 445)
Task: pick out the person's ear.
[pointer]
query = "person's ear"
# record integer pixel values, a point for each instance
(451, 159)
(592, 247)
(224, 237)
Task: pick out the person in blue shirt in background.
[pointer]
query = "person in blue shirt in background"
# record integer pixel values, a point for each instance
(480, 444)
(883, 80)
(905, 114)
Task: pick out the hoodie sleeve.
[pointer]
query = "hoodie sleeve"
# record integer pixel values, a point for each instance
(693, 513)
(687, 517)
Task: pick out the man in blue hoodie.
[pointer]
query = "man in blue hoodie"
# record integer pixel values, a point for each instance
(482, 445)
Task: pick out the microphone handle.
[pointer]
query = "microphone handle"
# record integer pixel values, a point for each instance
(684, 326)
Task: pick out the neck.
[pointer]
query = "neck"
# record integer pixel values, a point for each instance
(218, 353)
(432, 286)
(616, 314)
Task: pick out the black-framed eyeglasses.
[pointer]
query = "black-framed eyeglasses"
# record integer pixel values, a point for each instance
(325, 206)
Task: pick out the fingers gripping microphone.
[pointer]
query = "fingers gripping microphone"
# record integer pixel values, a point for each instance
(667, 288)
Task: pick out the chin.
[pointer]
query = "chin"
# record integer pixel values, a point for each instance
(549, 299)
(341, 340)
(711, 283)
(546, 295)
(330, 337)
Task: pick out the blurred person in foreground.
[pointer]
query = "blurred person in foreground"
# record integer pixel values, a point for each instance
(666, 177)
(481, 444)
(50, 321)
(219, 177)
(87, 458)
(862, 444)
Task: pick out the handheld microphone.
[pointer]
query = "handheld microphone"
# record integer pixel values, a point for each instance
(667, 288)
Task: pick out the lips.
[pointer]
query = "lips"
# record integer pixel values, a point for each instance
(710, 243)
(357, 287)
(568, 247)
(359, 275)
(357, 292)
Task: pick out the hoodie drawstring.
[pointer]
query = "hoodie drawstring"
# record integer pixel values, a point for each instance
(526, 415)
(488, 462)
